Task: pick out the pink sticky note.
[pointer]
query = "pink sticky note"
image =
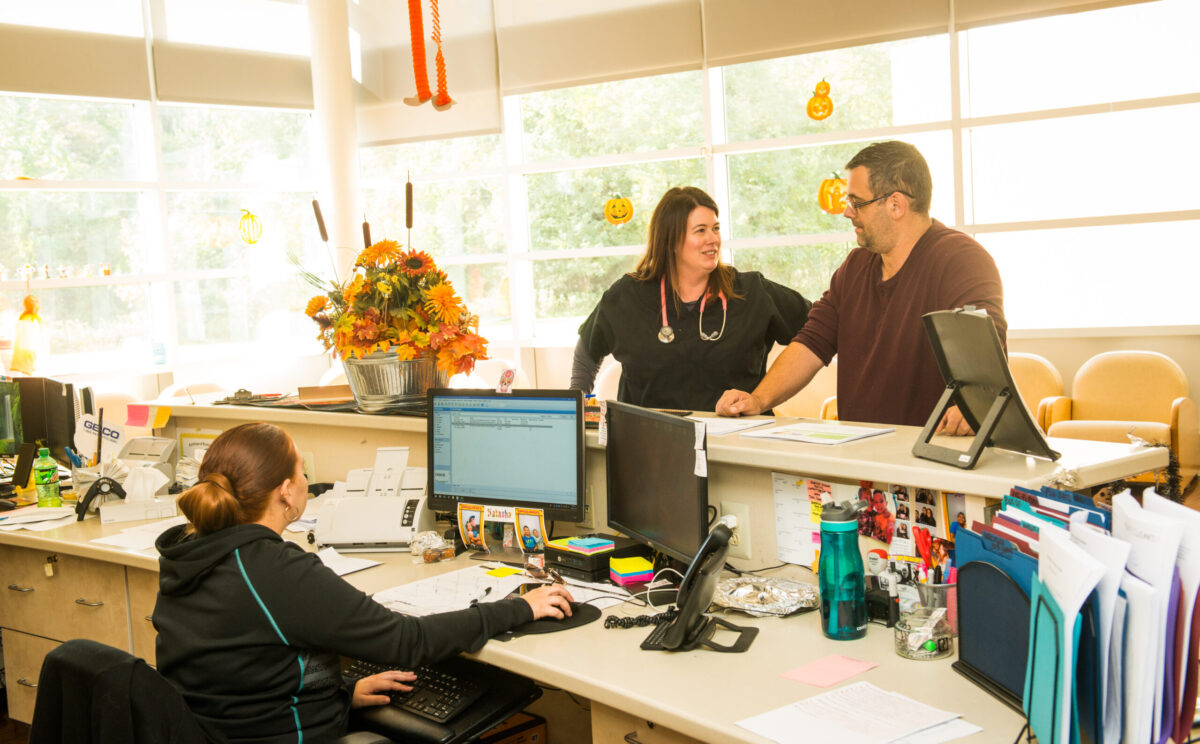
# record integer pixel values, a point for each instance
(829, 671)
(136, 415)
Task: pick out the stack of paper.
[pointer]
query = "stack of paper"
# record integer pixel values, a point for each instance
(626, 571)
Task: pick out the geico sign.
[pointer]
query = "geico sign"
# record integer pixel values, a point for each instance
(93, 427)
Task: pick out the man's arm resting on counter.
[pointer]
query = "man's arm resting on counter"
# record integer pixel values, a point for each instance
(792, 370)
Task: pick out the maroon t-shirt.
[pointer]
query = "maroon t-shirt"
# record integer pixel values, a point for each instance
(886, 369)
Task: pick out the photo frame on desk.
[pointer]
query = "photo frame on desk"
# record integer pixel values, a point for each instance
(978, 381)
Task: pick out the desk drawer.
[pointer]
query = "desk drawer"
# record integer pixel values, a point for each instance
(143, 593)
(612, 726)
(23, 654)
(82, 599)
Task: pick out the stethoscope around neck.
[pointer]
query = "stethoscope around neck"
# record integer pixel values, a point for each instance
(666, 334)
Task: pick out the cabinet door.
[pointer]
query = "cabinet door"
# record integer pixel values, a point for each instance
(143, 593)
(25, 597)
(23, 654)
(87, 600)
(612, 725)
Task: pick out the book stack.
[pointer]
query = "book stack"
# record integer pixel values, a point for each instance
(625, 571)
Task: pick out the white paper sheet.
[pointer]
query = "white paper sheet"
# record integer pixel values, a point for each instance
(342, 565)
(1070, 574)
(43, 526)
(1113, 720)
(449, 591)
(1112, 553)
(29, 514)
(819, 432)
(718, 426)
(860, 713)
(794, 527)
(1154, 546)
(948, 731)
(142, 536)
(1188, 563)
(1138, 658)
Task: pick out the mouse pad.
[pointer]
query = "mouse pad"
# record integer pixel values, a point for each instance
(581, 614)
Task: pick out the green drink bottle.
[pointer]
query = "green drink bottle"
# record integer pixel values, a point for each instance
(45, 477)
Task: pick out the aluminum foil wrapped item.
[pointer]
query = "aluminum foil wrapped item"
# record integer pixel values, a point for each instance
(765, 596)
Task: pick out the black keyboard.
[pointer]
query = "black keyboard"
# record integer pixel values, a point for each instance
(437, 694)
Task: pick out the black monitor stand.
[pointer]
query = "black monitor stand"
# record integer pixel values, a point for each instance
(975, 368)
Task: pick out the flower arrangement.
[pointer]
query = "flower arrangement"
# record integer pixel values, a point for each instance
(397, 301)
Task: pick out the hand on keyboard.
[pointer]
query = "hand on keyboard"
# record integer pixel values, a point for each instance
(374, 690)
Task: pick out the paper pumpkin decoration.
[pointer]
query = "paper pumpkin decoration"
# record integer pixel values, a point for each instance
(249, 227)
(618, 210)
(820, 106)
(831, 196)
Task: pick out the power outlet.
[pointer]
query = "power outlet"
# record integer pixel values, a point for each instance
(739, 544)
(310, 465)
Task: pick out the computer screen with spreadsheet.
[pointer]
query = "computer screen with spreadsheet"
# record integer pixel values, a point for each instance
(523, 448)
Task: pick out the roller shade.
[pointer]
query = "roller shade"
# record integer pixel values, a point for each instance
(73, 63)
(199, 74)
(981, 12)
(547, 44)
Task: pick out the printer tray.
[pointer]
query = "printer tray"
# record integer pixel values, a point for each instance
(507, 693)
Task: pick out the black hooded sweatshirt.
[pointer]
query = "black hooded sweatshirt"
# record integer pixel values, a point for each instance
(251, 626)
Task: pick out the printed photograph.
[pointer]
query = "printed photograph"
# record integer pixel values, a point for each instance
(531, 530)
(470, 526)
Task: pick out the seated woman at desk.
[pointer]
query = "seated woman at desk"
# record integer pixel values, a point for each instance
(251, 626)
(653, 321)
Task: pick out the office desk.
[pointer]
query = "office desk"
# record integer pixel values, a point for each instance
(739, 467)
(699, 694)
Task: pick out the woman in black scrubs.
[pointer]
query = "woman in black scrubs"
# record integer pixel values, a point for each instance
(684, 326)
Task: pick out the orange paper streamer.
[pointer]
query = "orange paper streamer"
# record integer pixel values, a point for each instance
(416, 30)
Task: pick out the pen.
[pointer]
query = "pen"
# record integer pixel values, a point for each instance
(482, 596)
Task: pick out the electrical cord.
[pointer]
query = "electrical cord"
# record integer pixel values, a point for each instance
(712, 515)
(740, 571)
(640, 621)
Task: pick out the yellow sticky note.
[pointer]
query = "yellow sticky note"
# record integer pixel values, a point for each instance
(814, 512)
(503, 571)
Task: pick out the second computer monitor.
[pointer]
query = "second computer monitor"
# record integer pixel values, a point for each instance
(654, 494)
(520, 449)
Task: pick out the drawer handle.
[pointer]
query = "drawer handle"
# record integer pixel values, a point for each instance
(150, 618)
(631, 737)
(85, 603)
(27, 683)
(19, 588)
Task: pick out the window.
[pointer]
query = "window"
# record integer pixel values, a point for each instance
(1070, 144)
(117, 17)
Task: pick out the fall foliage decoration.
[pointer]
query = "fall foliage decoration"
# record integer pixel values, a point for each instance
(397, 301)
(249, 227)
(28, 339)
(820, 106)
(618, 210)
(831, 196)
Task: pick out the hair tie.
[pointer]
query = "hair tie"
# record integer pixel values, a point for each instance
(208, 479)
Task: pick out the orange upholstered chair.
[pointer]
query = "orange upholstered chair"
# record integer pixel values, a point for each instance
(1119, 393)
(1037, 379)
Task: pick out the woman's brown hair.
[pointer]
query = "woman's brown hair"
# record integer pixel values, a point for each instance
(668, 227)
(239, 472)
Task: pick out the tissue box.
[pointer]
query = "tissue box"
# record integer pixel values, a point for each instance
(124, 511)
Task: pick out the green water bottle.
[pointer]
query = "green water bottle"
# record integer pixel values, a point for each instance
(45, 477)
(840, 573)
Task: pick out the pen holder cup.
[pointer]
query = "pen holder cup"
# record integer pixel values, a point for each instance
(924, 635)
(933, 596)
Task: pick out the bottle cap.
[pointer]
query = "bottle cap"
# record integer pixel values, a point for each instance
(43, 452)
(842, 511)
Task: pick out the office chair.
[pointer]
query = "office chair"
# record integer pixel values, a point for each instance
(112, 696)
(1037, 379)
(1118, 393)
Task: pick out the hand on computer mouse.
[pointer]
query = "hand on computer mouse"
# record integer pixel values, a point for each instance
(373, 690)
(552, 600)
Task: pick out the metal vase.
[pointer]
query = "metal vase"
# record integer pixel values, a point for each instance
(381, 381)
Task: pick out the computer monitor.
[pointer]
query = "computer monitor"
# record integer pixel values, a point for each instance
(10, 418)
(518, 449)
(654, 494)
(48, 414)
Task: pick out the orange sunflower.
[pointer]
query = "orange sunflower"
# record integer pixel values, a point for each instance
(416, 263)
(380, 254)
(442, 302)
(316, 305)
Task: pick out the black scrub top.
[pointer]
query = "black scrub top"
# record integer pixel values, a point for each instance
(690, 373)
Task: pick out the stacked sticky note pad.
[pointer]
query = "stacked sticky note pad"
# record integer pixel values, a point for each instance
(636, 570)
(589, 544)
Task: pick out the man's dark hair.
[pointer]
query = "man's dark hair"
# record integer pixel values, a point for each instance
(896, 166)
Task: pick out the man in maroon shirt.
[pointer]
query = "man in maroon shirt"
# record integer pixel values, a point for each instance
(906, 265)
